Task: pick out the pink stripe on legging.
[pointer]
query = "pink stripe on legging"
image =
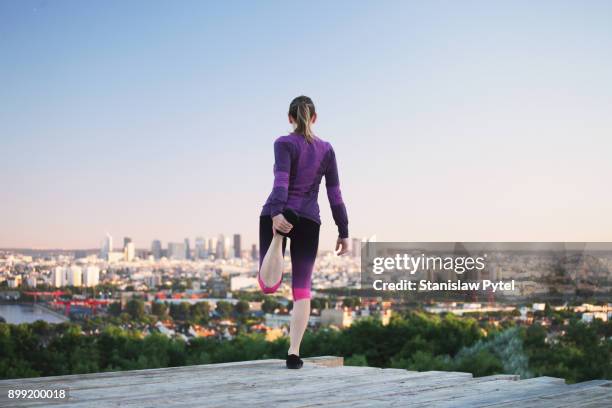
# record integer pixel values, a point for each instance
(301, 293)
(268, 289)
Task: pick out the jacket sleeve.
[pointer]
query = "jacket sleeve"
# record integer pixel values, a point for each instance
(282, 166)
(332, 184)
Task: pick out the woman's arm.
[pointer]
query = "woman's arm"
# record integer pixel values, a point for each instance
(332, 184)
(282, 166)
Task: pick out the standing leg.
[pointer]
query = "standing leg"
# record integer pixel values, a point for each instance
(299, 321)
(304, 246)
(271, 252)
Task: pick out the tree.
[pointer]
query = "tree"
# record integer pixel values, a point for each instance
(114, 309)
(242, 308)
(159, 309)
(269, 305)
(135, 308)
(356, 360)
(319, 303)
(185, 311)
(480, 363)
(200, 312)
(224, 309)
(351, 302)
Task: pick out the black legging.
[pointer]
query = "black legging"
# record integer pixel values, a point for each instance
(304, 238)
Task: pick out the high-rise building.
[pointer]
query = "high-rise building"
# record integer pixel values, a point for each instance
(107, 246)
(176, 250)
(156, 249)
(212, 246)
(200, 248)
(220, 249)
(74, 275)
(58, 276)
(227, 247)
(187, 249)
(254, 253)
(129, 251)
(91, 276)
(237, 246)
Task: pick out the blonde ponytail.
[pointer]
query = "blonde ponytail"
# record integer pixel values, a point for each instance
(302, 110)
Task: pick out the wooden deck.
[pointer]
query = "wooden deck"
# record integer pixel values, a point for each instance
(322, 382)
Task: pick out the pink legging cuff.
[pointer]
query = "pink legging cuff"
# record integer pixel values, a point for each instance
(268, 289)
(301, 293)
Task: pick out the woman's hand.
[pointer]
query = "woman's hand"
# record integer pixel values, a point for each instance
(342, 246)
(279, 222)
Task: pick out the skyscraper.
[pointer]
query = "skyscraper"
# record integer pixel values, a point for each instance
(212, 246)
(91, 276)
(156, 249)
(74, 275)
(107, 246)
(58, 276)
(129, 251)
(237, 246)
(227, 245)
(176, 250)
(187, 249)
(254, 253)
(200, 248)
(220, 249)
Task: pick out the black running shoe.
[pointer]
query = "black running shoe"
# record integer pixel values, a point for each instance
(294, 362)
(292, 217)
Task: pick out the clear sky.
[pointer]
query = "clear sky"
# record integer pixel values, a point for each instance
(452, 121)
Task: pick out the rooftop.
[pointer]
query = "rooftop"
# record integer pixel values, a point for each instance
(323, 381)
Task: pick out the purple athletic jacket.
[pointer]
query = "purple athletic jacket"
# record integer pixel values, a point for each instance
(298, 169)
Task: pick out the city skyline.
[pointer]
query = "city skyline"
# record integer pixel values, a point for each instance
(451, 121)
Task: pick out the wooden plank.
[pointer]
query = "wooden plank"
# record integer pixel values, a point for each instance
(155, 376)
(237, 396)
(511, 392)
(571, 396)
(112, 389)
(403, 390)
(148, 372)
(422, 396)
(604, 403)
(289, 379)
(346, 390)
(323, 381)
(326, 361)
(475, 387)
(330, 361)
(107, 387)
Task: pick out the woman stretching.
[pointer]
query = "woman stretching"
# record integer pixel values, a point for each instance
(301, 161)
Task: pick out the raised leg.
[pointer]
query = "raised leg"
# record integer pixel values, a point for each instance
(271, 252)
(271, 271)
